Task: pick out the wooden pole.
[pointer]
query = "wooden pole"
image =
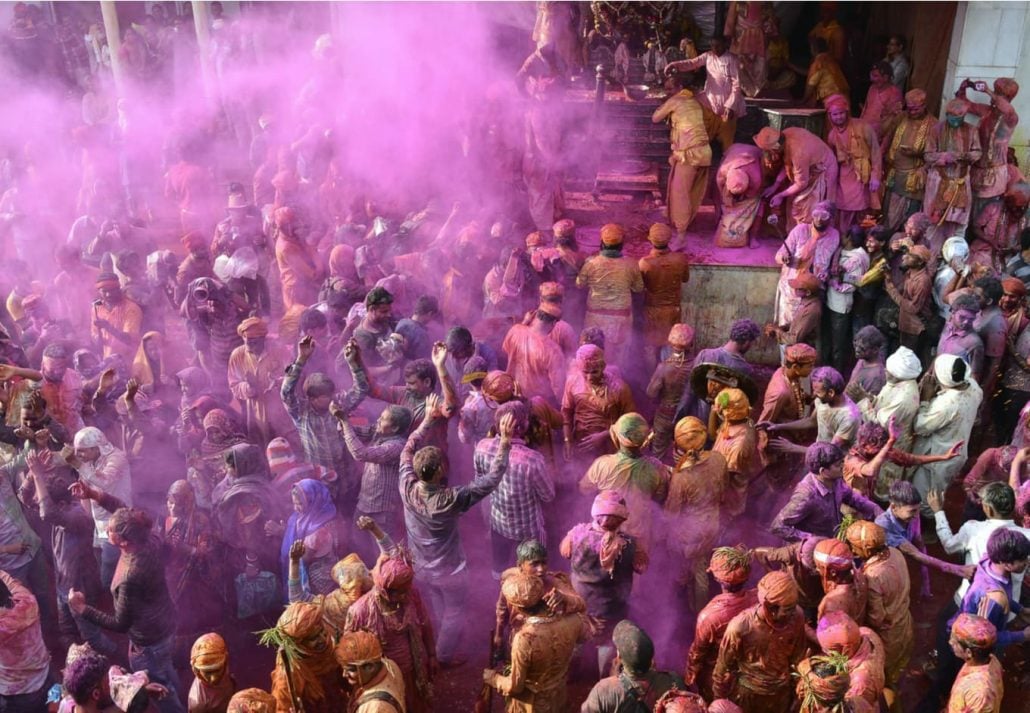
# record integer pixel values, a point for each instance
(109, 10)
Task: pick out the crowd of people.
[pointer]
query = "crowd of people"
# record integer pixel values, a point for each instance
(262, 408)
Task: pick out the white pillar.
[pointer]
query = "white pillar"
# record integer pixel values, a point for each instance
(202, 24)
(114, 43)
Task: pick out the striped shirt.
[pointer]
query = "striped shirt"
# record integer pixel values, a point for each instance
(379, 478)
(516, 507)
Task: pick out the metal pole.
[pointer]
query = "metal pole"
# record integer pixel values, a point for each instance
(109, 10)
(202, 24)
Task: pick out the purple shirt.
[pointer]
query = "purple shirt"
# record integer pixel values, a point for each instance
(898, 531)
(985, 581)
(814, 509)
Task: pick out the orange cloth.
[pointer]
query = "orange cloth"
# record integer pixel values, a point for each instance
(126, 316)
(298, 273)
(664, 273)
(254, 382)
(536, 363)
(887, 611)
(978, 689)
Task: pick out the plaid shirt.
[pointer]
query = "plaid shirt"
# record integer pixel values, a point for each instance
(516, 507)
(322, 442)
(382, 459)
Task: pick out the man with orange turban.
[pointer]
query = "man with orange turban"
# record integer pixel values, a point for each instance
(563, 334)
(667, 385)
(860, 165)
(905, 150)
(979, 686)
(952, 147)
(692, 508)
(664, 274)
(213, 685)
(731, 567)
(373, 678)
(844, 587)
(305, 674)
(823, 683)
(393, 611)
(255, 376)
(803, 159)
(610, 280)
(116, 321)
(760, 647)
(887, 611)
(541, 650)
(838, 633)
(638, 477)
(252, 700)
(739, 180)
(691, 153)
(737, 441)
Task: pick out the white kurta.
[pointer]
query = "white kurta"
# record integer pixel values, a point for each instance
(940, 423)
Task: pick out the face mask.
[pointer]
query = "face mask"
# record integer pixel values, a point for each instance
(954, 121)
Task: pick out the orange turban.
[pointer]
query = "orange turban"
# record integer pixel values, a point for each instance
(551, 289)
(915, 96)
(866, 538)
(721, 705)
(522, 590)
(837, 631)
(768, 139)
(730, 566)
(778, 588)
(805, 280)
(974, 632)
(209, 653)
(499, 386)
(193, 240)
(358, 647)
(1011, 285)
(252, 327)
(393, 573)
(609, 502)
(564, 227)
(659, 235)
(107, 280)
(920, 251)
(801, 354)
(835, 101)
(612, 235)
(300, 620)
(252, 700)
(631, 430)
(534, 239)
(827, 690)
(832, 554)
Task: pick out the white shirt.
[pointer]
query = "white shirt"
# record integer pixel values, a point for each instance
(841, 294)
(972, 538)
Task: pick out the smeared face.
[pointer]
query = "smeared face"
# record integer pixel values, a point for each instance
(1008, 303)
(877, 78)
(913, 230)
(796, 371)
(963, 320)
(53, 369)
(212, 676)
(609, 522)
(379, 315)
(358, 675)
(110, 295)
(255, 345)
(821, 218)
(916, 110)
(419, 388)
(838, 116)
(537, 568)
(832, 473)
(872, 245)
(823, 394)
(385, 425)
(593, 370)
(905, 513)
(778, 615)
(396, 597)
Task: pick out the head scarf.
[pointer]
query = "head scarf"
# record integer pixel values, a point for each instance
(800, 354)
(943, 366)
(1014, 286)
(564, 228)
(659, 235)
(588, 352)
(522, 590)
(193, 240)
(612, 235)
(318, 511)
(631, 430)
(778, 588)
(832, 554)
(392, 573)
(904, 365)
(768, 139)
(835, 101)
(957, 107)
(730, 566)
(92, 437)
(194, 378)
(209, 653)
(634, 646)
(358, 647)
(125, 687)
(534, 239)
(252, 700)
(722, 705)
(609, 502)
(737, 181)
(341, 262)
(837, 631)
(350, 571)
(499, 387)
(955, 247)
(182, 489)
(248, 460)
(915, 96)
(142, 369)
(252, 327)
(300, 620)
(690, 436)
(681, 335)
(230, 434)
(974, 631)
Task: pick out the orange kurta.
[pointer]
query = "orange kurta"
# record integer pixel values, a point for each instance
(664, 274)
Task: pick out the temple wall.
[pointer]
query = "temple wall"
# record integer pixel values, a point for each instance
(716, 295)
(991, 40)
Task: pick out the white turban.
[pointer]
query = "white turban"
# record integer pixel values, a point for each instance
(944, 365)
(956, 247)
(904, 365)
(90, 437)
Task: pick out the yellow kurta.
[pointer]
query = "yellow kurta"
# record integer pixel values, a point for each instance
(690, 159)
(263, 409)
